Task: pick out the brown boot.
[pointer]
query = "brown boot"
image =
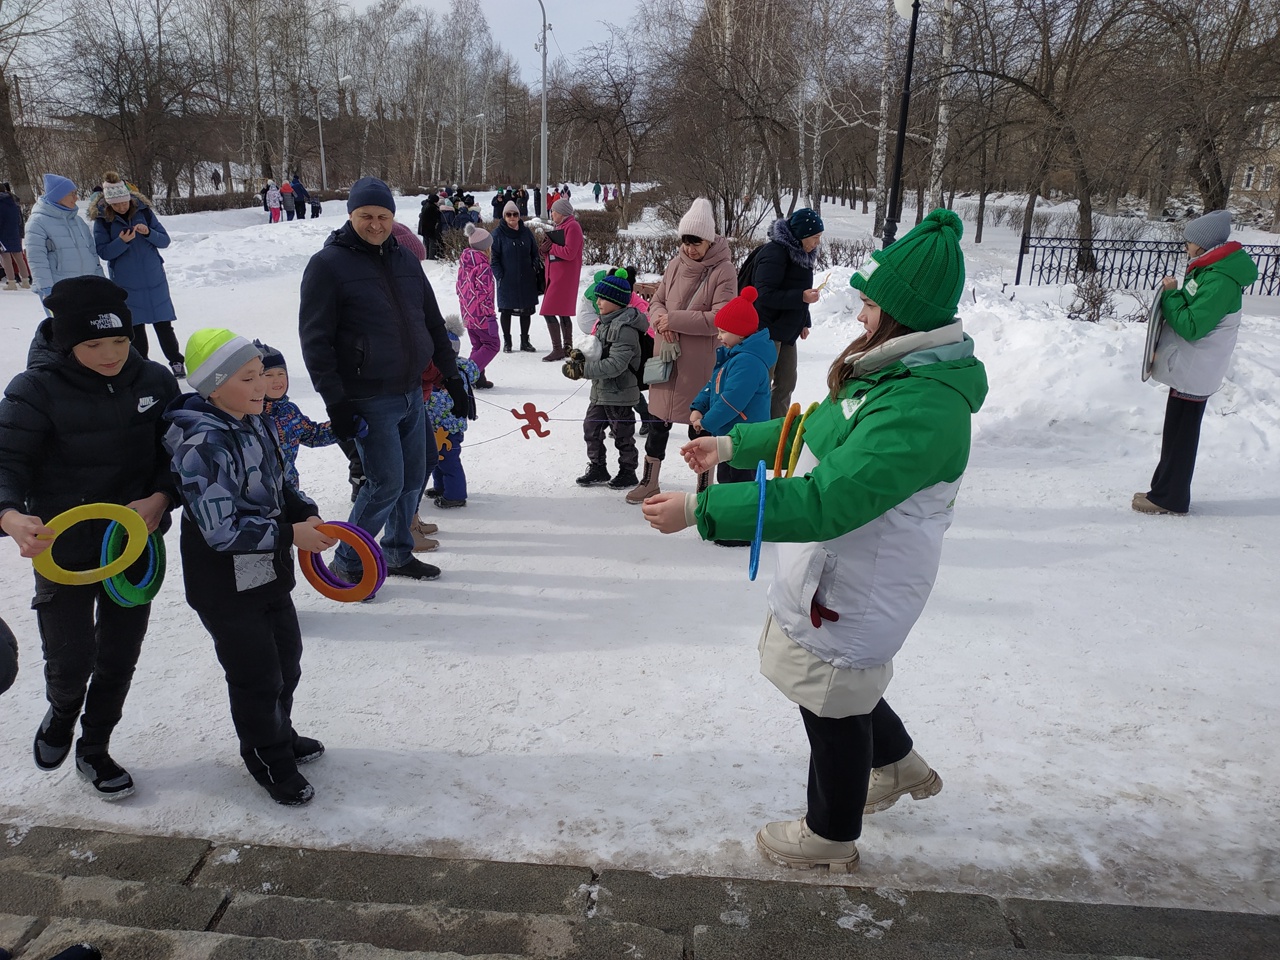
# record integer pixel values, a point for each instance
(704, 480)
(648, 481)
(566, 333)
(557, 349)
(421, 542)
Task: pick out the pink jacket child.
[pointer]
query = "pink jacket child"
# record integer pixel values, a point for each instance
(475, 299)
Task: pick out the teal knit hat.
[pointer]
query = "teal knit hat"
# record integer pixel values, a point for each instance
(918, 280)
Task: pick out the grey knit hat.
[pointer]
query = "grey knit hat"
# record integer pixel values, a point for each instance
(1209, 231)
(563, 207)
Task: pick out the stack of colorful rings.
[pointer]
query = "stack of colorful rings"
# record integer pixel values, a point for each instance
(118, 587)
(133, 525)
(327, 584)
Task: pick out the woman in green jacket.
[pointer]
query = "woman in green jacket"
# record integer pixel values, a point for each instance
(859, 530)
(1202, 319)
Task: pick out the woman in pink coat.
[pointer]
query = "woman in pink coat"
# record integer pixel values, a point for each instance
(697, 282)
(564, 270)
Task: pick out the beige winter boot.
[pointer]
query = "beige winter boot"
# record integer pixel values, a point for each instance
(792, 844)
(421, 542)
(11, 285)
(909, 775)
(648, 481)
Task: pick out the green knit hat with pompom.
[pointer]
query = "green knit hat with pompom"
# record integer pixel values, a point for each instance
(918, 280)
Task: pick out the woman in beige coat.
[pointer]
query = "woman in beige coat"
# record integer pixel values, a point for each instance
(699, 280)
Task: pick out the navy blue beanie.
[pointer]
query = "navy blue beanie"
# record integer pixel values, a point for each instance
(370, 192)
(271, 357)
(616, 288)
(804, 223)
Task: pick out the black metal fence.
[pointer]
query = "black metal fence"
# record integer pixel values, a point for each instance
(1126, 264)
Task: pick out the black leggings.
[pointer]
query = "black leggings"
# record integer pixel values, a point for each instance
(842, 751)
(655, 444)
(524, 323)
(1171, 482)
(164, 333)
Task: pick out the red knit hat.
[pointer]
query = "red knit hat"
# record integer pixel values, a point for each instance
(738, 316)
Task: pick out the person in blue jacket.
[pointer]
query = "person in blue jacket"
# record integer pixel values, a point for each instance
(59, 243)
(301, 196)
(738, 391)
(129, 236)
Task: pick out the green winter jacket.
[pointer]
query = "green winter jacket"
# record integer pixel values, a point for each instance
(1202, 320)
(860, 525)
(890, 434)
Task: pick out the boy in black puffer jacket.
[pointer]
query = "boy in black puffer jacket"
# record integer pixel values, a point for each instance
(83, 424)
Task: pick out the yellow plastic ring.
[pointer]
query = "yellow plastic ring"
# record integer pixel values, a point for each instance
(133, 525)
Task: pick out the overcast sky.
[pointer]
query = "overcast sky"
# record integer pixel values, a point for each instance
(575, 24)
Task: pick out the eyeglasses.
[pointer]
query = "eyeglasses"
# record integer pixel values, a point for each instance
(511, 216)
(689, 240)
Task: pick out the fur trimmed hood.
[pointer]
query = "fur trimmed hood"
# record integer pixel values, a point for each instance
(781, 233)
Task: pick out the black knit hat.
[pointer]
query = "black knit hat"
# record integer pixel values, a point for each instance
(271, 357)
(87, 308)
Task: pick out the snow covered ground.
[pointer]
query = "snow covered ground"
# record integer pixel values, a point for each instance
(1095, 687)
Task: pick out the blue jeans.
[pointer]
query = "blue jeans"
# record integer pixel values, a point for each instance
(394, 457)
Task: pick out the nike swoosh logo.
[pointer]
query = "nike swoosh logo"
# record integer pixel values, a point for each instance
(146, 403)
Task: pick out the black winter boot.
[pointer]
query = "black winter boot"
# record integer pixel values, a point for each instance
(108, 779)
(53, 742)
(597, 473)
(506, 333)
(625, 478)
(306, 749)
(289, 789)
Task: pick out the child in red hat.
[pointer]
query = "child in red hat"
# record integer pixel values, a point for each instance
(738, 391)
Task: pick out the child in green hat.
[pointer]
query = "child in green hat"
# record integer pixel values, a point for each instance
(859, 530)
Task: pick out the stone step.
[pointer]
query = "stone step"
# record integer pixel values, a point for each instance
(133, 943)
(474, 908)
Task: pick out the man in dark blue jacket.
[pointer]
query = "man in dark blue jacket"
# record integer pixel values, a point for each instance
(369, 326)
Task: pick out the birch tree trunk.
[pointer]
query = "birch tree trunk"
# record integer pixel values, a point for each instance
(882, 136)
(944, 107)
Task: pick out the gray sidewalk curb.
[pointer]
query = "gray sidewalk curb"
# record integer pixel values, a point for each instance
(164, 897)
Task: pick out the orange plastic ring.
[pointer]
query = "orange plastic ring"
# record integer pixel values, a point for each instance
(782, 441)
(354, 593)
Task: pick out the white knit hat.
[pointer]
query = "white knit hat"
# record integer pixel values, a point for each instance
(115, 190)
(700, 221)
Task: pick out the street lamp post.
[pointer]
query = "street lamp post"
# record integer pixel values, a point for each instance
(324, 172)
(905, 8)
(543, 46)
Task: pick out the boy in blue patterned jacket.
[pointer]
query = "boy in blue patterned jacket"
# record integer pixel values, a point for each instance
(293, 427)
(240, 522)
(448, 479)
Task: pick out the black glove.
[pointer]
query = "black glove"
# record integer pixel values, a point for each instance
(575, 367)
(345, 420)
(460, 397)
